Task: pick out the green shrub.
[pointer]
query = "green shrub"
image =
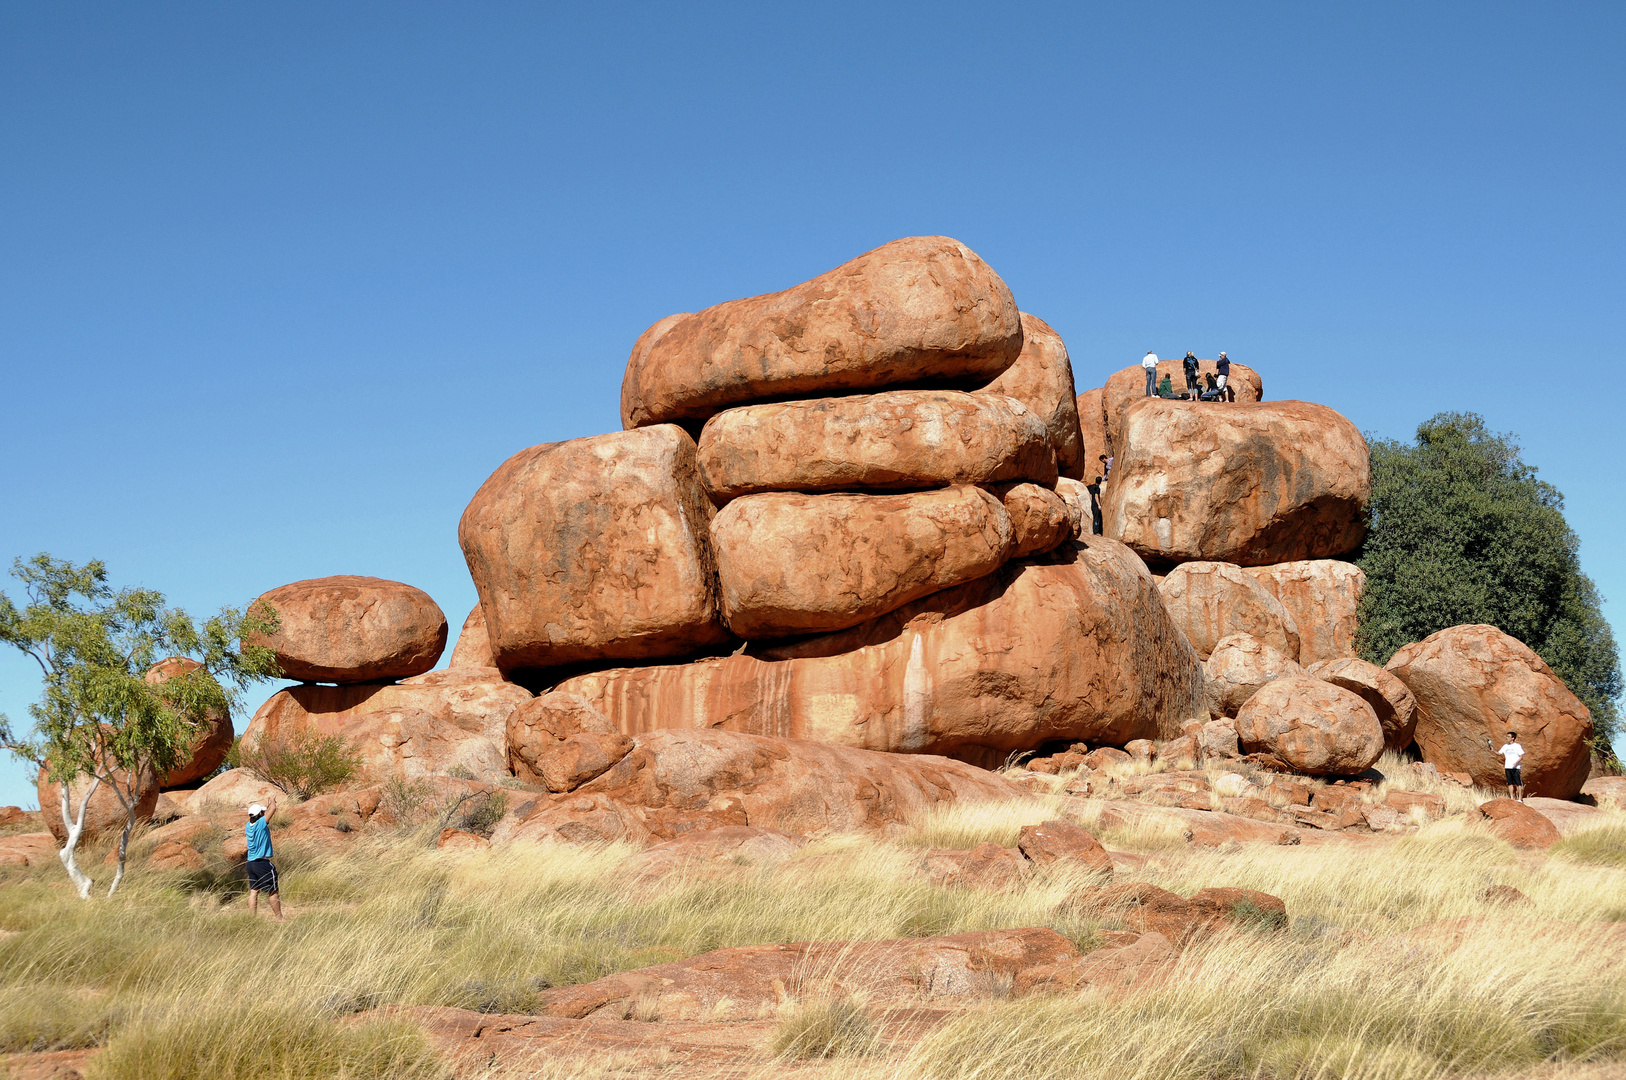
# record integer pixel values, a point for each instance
(303, 764)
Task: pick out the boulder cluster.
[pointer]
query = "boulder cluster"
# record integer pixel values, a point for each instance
(860, 515)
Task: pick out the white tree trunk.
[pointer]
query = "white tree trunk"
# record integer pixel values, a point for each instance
(124, 838)
(75, 824)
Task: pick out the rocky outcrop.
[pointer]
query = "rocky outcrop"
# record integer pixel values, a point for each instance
(1072, 645)
(898, 440)
(1474, 684)
(1322, 595)
(473, 648)
(562, 741)
(1238, 667)
(1128, 385)
(29, 849)
(921, 309)
(676, 781)
(1315, 727)
(211, 742)
(1518, 824)
(1246, 484)
(799, 564)
(1394, 705)
(1042, 379)
(1065, 845)
(420, 727)
(236, 789)
(1143, 907)
(1076, 497)
(348, 629)
(1040, 519)
(1092, 426)
(1212, 600)
(595, 549)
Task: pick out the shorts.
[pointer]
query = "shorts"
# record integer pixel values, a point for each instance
(262, 876)
(1222, 380)
(1513, 778)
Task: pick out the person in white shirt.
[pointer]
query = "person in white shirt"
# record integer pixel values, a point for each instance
(1150, 364)
(1512, 753)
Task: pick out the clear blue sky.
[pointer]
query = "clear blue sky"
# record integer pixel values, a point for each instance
(281, 284)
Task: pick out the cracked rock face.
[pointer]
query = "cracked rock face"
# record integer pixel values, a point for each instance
(1315, 727)
(921, 309)
(349, 629)
(1212, 600)
(1248, 484)
(1388, 696)
(1323, 596)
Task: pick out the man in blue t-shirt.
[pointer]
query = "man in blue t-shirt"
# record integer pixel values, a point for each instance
(262, 873)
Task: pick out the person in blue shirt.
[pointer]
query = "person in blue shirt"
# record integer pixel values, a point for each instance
(262, 872)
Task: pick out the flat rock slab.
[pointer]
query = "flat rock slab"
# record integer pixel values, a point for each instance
(897, 440)
(1072, 645)
(595, 549)
(354, 629)
(921, 309)
(1246, 484)
(801, 564)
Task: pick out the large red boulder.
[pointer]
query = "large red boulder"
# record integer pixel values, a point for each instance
(422, 726)
(1315, 727)
(1128, 385)
(676, 781)
(1323, 596)
(1040, 518)
(595, 549)
(212, 741)
(1092, 426)
(1520, 825)
(1042, 379)
(1473, 685)
(1071, 645)
(919, 309)
(348, 629)
(105, 816)
(900, 439)
(1238, 667)
(562, 741)
(1212, 600)
(1246, 484)
(799, 564)
(1394, 704)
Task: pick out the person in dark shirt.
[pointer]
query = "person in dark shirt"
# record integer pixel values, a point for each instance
(1095, 505)
(1194, 388)
(1222, 367)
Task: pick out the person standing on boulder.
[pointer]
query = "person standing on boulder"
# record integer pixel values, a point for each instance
(1222, 367)
(1512, 753)
(262, 872)
(1149, 362)
(1194, 386)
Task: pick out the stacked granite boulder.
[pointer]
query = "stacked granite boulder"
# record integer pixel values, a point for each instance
(834, 514)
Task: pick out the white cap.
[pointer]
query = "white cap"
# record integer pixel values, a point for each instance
(255, 809)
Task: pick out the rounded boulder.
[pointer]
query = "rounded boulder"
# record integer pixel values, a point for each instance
(350, 629)
(1238, 667)
(1042, 379)
(1394, 704)
(210, 743)
(1212, 600)
(1314, 727)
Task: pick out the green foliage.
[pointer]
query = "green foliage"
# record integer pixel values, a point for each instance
(1461, 532)
(98, 716)
(302, 764)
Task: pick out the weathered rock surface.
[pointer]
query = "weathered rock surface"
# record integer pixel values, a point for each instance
(420, 727)
(1607, 789)
(752, 981)
(1071, 645)
(1520, 825)
(562, 741)
(1322, 596)
(676, 781)
(723, 850)
(921, 309)
(234, 788)
(1212, 600)
(1238, 667)
(1395, 706)
(900, 439)
(473, 648)
(29, 849)
(797, 564)
(1128, 385)
(1475, 683)
(1092, 426)
(1141, 906)
(986, 866)
(213, 740)
(349, 629)
(105, 816)
(1076, 496)
(1247, 484)
(1064, 844)
(1314, 726)
(1040, 519)
(1042, 379)
(1200, 828)
(595, 549)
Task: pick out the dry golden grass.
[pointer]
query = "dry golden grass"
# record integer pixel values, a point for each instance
(161, 974)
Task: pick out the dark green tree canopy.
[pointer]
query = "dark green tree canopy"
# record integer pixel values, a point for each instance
(1462, 531)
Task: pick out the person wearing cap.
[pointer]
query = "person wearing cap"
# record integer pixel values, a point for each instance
(262, 872)
(1222, 367)
(1512, 753)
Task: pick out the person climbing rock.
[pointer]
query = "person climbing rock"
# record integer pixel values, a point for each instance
(1194, 387)
(1095, 505)
(1149, 362)
(1222, 368)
